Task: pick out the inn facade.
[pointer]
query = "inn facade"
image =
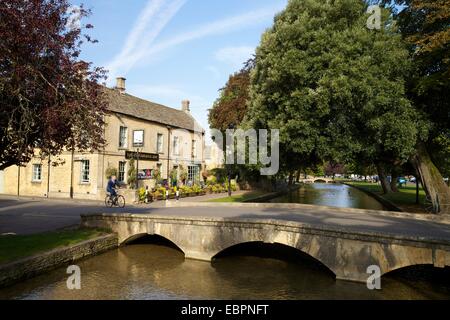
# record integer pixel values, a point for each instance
(155, 137)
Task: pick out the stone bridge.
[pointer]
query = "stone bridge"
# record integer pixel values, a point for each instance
(346, 253)
(317, 179)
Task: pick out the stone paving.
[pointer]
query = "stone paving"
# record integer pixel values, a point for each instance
(24, 216)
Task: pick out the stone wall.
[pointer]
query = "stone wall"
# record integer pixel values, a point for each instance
(31, 266)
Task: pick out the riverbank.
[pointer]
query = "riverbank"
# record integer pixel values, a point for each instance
(404, 200)
(23, 257)
(254, 196)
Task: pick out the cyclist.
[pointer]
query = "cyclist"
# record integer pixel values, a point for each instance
(112, 184)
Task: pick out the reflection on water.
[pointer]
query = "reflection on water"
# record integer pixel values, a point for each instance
(334, 195)
(148, 271)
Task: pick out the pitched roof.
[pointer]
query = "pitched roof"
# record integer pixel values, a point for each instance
(127, 104)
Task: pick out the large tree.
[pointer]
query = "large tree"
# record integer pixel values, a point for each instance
(333, 87)
(231, 106)
(50, 99)
(424, 25)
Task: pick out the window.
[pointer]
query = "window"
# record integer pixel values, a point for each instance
(121, 176)
(138, 138)
(85, 171)
(37, 173)
(160, 143)
(176, 146)
(194, 174)
(194, 149)
(123, 138)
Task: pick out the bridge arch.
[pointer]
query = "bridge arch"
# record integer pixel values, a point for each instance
(152, 239)
(285, 251)
(407, 268)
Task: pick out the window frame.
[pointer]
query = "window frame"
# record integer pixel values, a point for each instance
(119, 173)
(33, 177)
(120, 137)
(158, 149)
(83, 170)
(194, 149)
(176, 145)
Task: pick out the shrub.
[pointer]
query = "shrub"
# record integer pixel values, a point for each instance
(141, 194)
(111, 171)
(196, 188)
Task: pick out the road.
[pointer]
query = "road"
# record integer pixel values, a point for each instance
(27, 216)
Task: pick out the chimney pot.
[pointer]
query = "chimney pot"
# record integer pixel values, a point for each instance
(120, 84)
(185, 106)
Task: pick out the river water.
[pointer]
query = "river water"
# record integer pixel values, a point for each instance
(149, 271)
(333, 195)
(154, 269)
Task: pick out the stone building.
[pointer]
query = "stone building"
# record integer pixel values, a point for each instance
(157, 138)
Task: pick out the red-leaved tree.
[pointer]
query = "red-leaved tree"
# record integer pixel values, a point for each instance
(50, 99)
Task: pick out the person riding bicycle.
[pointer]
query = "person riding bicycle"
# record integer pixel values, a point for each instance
(112, 184)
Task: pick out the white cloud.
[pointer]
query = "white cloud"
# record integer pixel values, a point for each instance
(156, 15)
(224, 26)
(235, 56)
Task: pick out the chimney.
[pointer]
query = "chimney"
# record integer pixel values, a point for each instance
(185, 106)
(120, 84)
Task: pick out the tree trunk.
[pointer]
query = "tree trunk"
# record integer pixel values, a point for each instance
(394, 176)
(417, 189)
(291, 178)
(298, 176)
(432, 180)
(383, 179)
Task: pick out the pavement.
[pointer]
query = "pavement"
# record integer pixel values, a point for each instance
(27, 216)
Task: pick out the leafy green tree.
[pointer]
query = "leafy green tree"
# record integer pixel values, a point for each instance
(131, 174)
(231, 106)
(425, 27)
(334, 88)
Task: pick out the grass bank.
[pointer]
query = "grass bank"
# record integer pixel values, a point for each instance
(240, 198)
(405, 199)
(15, 247)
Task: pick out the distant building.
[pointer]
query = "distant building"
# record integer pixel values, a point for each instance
(164, 139)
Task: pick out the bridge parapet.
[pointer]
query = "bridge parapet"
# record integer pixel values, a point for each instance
(346, 253)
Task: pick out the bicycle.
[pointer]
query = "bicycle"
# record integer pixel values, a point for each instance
(117, 201)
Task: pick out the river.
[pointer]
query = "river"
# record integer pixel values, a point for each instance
(330, 194)
(149, 271)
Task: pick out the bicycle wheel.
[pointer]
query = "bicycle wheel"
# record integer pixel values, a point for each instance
(120, 201)
(108, 202)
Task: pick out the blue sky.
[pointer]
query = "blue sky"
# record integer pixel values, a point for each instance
(170, 50)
